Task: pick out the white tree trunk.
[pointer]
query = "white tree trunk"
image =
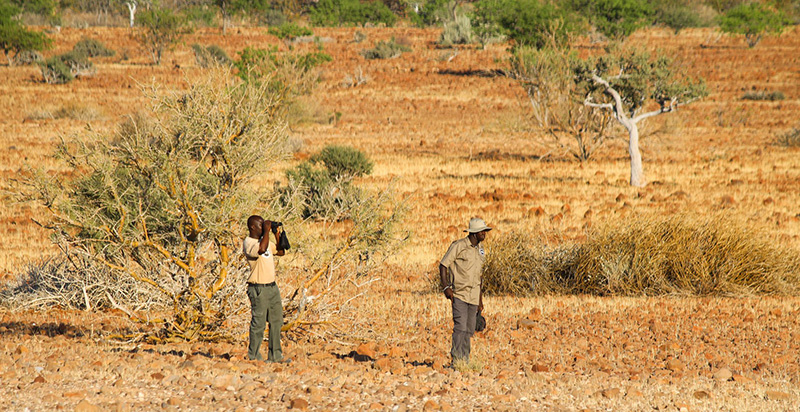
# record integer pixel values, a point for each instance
(637, 170)
(132, 10)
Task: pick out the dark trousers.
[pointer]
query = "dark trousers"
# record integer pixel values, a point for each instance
(463, 328)
(265, 305)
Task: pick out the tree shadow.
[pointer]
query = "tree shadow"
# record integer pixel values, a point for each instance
(489, 73)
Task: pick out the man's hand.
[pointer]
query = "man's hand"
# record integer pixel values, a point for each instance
(480, 307)
(448, 293)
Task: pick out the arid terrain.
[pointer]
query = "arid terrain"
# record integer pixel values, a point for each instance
(455, 136)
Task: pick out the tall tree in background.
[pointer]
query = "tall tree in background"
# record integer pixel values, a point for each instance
(635, 86)
(14, 37)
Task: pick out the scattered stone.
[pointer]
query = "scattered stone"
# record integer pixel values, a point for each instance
(675, 365)
(540, 368)
(39, 379)
(298, 403)
(701, 395)
(431, 405)
(319, 356)
(21, 350)
(75, 394)
(634, 393)
(525, 323)
(85, 406)
(777, 395)
(740, 378)
(611, 393)
(722, 374)
(157, 376)
(367, 349)
(173, 401)
(396, 352)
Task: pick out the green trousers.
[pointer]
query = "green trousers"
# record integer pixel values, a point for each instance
(265, 305)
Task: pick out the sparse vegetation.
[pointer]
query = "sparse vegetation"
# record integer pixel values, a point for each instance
(457, 30)
(351, 12)
(647, 256)
(789, 139)
(526, 22)
(764, 96)
(14, 37)
(55, 71)
(385, 50)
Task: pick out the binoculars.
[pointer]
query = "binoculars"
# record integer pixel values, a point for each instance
(275, 226)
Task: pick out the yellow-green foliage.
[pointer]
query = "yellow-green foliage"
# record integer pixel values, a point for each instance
(647, 256)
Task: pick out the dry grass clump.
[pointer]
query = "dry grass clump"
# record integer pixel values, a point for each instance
(648, 256)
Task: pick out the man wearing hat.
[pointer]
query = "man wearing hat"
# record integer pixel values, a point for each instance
(460, 273)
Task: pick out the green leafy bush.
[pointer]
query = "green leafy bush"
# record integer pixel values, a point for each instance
(616, 19)
(351, 12)
(326, 179)
(526, 22)
(290, 31)
(14, 37)
(343, 161)
(754, 20)
(92, 48)
(385, 50)
(160, 29)
(210, 56)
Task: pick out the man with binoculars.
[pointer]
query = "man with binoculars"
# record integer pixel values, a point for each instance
(265, 298)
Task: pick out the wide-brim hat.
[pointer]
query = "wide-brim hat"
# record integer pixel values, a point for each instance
(477, 225)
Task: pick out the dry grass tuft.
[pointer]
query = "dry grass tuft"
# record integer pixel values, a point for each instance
(648, 256)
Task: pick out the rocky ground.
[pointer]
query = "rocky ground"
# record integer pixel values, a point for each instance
(579, 353)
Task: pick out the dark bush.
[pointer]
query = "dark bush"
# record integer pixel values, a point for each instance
(764, 96)
(92, 48)
(351, 12)
(385, 50)
(789, 139)
(55, 71)
(28, 57)
(616, 19)
(272, 17)
(678, 14)
(210, 56)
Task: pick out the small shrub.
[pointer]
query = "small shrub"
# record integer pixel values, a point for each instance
(78, 63)
(764, 96)
(273, 17)
(385, 50)
(458, 31)
(327, 180)
(359, 36)
(789, 139)
(679, 15)
(351, 12)
(289, 31)
(55, 71)
(92, 48)
(527, 22)
(28, 57)
(343, 161)
(210, 56)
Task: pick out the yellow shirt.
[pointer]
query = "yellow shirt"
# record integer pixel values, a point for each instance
(465, 264)
(262, 267)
